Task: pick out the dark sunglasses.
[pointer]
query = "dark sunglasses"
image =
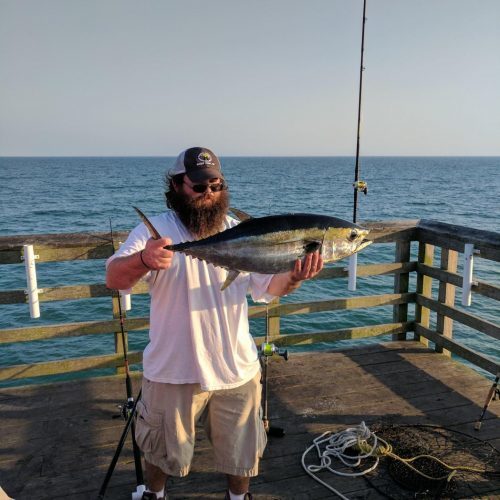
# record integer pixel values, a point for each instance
(201, 188)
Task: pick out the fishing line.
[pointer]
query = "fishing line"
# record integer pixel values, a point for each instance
(267, 350)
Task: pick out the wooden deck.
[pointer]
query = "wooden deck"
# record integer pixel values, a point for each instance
(57, 440)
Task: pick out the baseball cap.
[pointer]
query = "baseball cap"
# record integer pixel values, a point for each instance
(199, 164)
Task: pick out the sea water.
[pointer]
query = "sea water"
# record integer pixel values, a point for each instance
(90, 194)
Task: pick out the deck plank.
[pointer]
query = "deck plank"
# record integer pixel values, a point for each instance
(58, 439)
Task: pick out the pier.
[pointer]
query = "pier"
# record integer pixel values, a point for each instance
(58, 438)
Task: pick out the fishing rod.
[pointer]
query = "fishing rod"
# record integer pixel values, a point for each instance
(492, 395)
(130, 425)
(127, 410)
(359, 185)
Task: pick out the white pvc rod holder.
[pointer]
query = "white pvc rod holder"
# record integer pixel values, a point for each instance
(125, 301)
(351, 272)
(32, 290)
(468, 270)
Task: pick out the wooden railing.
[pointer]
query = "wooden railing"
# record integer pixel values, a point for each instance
(427, 234)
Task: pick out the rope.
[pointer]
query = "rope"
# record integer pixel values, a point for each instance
(369, 445)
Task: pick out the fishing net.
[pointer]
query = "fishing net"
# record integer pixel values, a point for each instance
(434, 462)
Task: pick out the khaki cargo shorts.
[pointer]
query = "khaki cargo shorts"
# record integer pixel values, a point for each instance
(166, 419)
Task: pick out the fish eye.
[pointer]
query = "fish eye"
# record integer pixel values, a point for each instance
(353, 235)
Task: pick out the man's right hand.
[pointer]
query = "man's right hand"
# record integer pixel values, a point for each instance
(124, 272)
(155, 256)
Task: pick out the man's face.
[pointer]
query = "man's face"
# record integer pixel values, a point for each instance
(202, 207)
(201, 194)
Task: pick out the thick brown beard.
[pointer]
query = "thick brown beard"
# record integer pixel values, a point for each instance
(201, 219)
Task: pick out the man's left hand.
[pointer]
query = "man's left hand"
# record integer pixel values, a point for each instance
(305, 269)
(308, 268)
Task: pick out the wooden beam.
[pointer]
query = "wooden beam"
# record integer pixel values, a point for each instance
(454, 237)
(273, 322)
(480, 287)
(440, 274)
(30, 333)
(465, 318)
(424, 286)
(66, 365)
(458, 349)
(341, 334)
(378, 229)
(121, 337)
(390, 299)
(446, 295)
(75, 292)
(368, 270)
(486, 289)
(401, 285)
(13, 297)
(390, 231)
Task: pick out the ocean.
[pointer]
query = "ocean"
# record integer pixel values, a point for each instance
(90, 194)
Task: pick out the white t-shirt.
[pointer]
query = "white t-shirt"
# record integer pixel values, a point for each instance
(198, 333)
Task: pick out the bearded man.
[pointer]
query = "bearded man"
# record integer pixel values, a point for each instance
(201, 363)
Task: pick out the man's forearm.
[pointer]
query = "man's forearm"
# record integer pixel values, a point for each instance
(125, 272)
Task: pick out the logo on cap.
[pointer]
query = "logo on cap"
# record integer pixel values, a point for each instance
(204, 160)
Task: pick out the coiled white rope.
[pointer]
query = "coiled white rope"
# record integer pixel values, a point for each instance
(337, 444)
(368, 445)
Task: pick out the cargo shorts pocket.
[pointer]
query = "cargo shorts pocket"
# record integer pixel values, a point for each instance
(149, 431)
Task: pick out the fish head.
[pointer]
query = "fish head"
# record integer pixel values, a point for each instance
(341, 242)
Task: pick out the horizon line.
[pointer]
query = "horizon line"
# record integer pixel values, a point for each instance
(261, 156)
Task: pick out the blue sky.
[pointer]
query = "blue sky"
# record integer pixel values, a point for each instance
(273, 77)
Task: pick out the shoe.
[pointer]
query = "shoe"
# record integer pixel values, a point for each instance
(149, 495)
(248, 496)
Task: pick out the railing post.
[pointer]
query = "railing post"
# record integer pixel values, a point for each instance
(117, 307)
(446, 295)
(273, 322)
(118, 335)
(401, 283)
(424, 287)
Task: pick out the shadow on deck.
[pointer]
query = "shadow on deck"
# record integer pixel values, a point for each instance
(57, 440)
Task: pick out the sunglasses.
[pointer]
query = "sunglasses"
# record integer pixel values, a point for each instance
(201, 188)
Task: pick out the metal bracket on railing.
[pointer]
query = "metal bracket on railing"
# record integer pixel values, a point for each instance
(32, 291)
(125, 300)
(468, 272)
(352, 272)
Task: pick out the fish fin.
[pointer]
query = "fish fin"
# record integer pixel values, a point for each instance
(312, 246)
(154, 234)
(230, 278)
(153, 231)
(240, 215)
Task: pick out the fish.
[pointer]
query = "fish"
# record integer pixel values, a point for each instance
(272, 244)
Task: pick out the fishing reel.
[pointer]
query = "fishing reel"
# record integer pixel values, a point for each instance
(361, 186)
(125, 410)
(267, 350)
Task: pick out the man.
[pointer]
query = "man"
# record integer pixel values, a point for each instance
(201, 362)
